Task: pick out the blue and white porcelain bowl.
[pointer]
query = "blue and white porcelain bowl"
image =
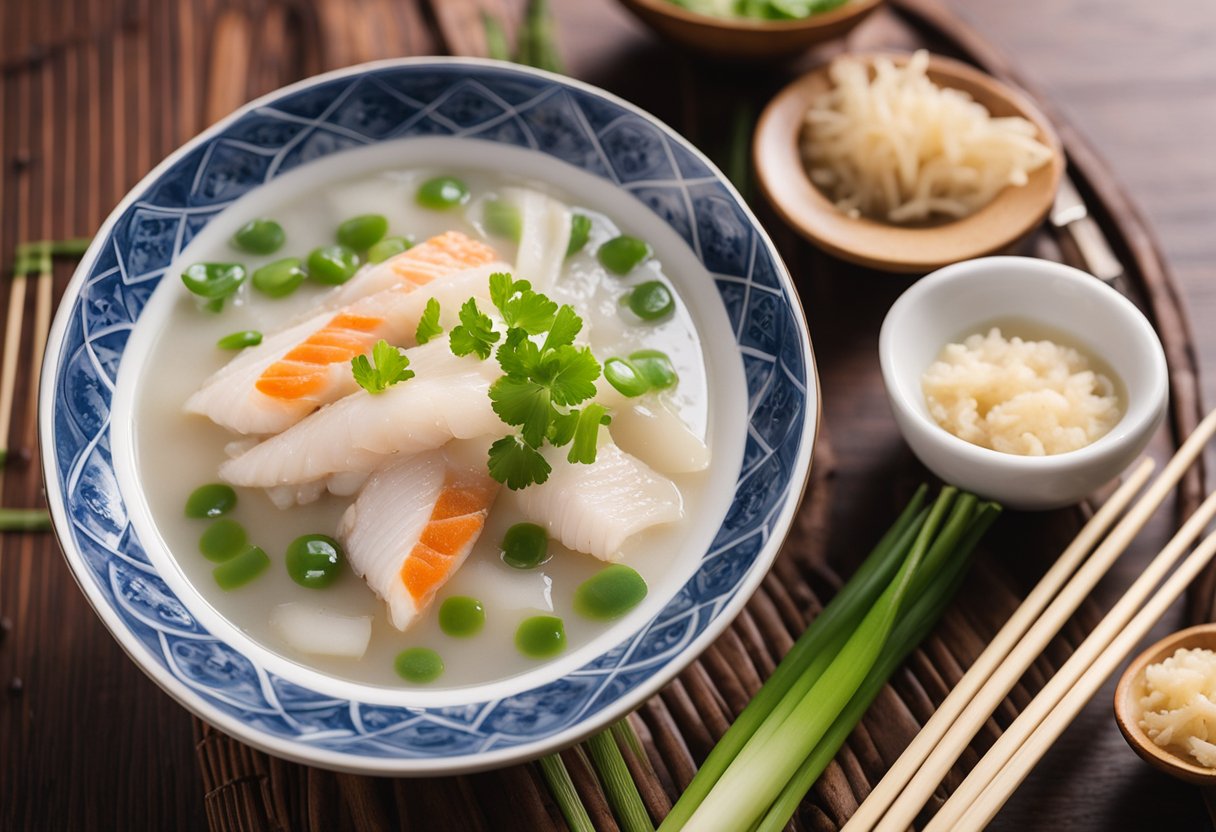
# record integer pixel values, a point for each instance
(596, 147)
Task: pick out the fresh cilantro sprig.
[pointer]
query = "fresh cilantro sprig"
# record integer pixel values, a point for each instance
(543, 383)
(475, 334)
(391, 368)
(428, 324)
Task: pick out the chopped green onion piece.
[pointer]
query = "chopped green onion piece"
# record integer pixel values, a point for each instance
(503, 219)
(655, 367)
(240, 340)
(442, 193)
(24, 520)
(541, 636)
(626, 378)
(314, 560)
(213, 281)
(622, 254)
(419, 665)
(261, 236)
(610, 593)
(525, 546)
(461, 616)
(223, 540)
(651, 301)
(388, 247)
(242, 569)
(210, 500)
(363, 232)
(332, 265)
(580, 230)
(280, 278)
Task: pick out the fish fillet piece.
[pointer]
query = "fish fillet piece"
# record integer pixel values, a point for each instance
(594, 508)
(543, 241)
(268, 388)
(414, 524)
(447, 399)
(434, 258)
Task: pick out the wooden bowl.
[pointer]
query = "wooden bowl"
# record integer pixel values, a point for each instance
(747, 40)
(1012, 214)
(1131, 688)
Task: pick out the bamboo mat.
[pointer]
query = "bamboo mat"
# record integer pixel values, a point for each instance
(91, 111)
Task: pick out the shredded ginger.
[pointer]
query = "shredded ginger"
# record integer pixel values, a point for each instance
(896, 146)
(1179, 710)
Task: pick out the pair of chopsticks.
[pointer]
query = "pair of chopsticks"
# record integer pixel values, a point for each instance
(903, 792)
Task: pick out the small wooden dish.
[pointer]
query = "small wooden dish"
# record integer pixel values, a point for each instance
(1131, 688)
(1014, 213)
(747, 40)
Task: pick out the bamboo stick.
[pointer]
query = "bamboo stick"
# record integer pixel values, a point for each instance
(905, 808)
(1081, 659)
(1070, 704)
(889, 788)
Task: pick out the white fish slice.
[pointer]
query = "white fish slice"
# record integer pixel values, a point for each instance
(595, 508)
(543, 241)
(231, 397)
(448, 398)
(414, 524)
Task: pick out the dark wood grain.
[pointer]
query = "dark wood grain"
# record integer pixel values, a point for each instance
(93, 92)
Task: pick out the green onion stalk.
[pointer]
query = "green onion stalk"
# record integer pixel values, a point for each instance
(24, 520)
(815, 647)
(565, 794)
(618, 783)
(912, 628)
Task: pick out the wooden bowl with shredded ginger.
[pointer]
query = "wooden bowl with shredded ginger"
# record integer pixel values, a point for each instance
(1011, 215)
(1131, 689)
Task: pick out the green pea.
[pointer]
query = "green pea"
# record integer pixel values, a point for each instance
(223, 540)
(541, 636)
(241, 569)
(580, 230)
(332, 265)
(240, 340)
(462, 616)
(655, 367)
(622, 254)
(610, 593)
(503, 219)
(651, 301)
(314, 560)
(386, 248)
(261, 236)
(280, 278)
(210, 501)
(213, 281)
(442, 193)
(363, 232)
(525, 546)
(418, 664)
(625, 377)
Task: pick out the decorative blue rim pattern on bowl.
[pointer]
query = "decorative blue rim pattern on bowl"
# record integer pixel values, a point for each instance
(417, 97)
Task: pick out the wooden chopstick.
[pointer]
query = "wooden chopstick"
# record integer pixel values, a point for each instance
(893, 782)
(1078, 663)
(1034, 746)
(8, 368)
(904, 809)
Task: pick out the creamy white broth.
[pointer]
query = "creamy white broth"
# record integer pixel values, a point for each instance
(177, 452)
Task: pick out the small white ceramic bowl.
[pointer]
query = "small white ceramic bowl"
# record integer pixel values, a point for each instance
(967, 297)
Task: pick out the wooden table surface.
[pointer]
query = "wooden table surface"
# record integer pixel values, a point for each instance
(88, 742)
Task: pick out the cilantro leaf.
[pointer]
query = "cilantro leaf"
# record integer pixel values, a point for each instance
(516, 464)
(561, 429)
(525, 403)
(574, 375)
(502, 288)
(428, 325)
(566, 324)
(475, 334)
(586, 434)
(519, 306)
(518, 356)
(391, 368)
